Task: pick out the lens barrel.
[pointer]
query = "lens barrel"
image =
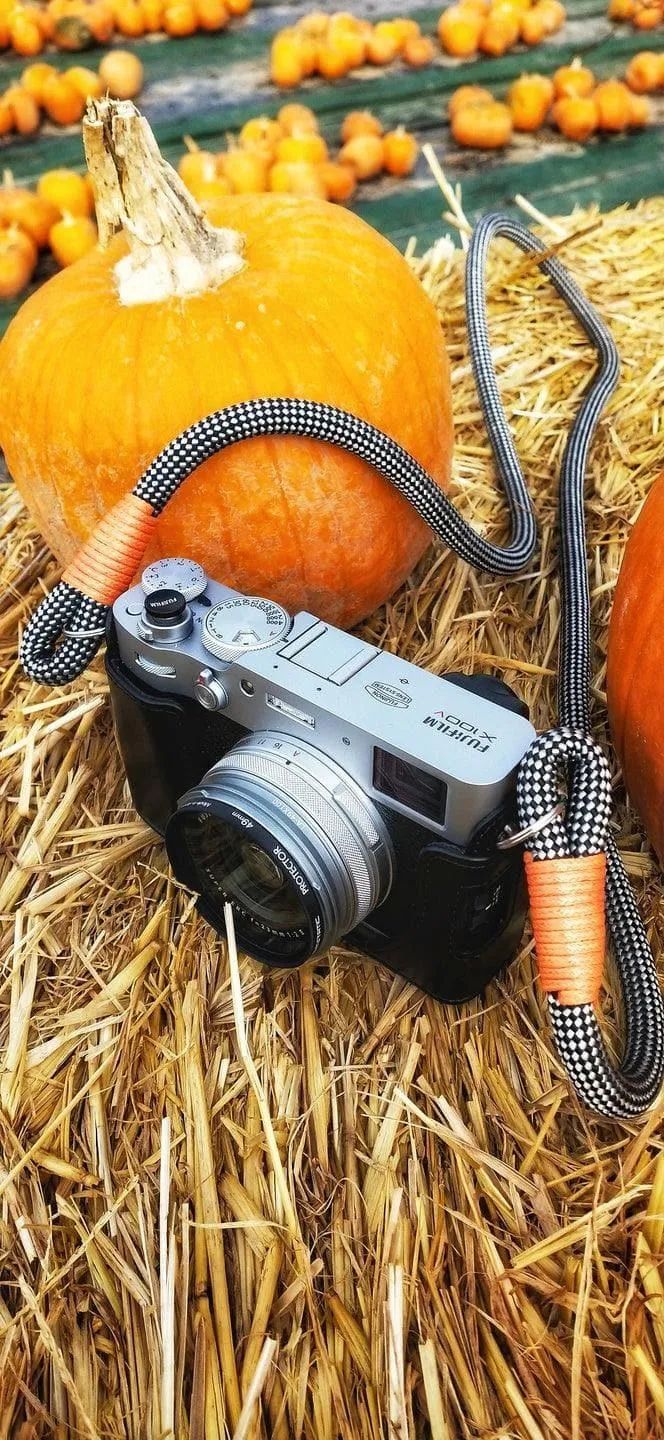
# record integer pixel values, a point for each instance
(288, 837)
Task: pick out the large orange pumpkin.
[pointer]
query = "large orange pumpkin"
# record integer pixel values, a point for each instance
(635, 675)
(171, 320)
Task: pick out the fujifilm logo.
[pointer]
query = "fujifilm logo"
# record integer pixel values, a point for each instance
(288, 865)
(461, 730)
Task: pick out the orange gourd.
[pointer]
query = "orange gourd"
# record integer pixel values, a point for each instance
(484, 127)
(400, 150)
(309, 148)
(13, 236)
(418, 51)
(245, 170)
(635, 672)
(268, 306)
(6, 116)
(466, 96)
(71, 238)
(365, 154)
(574, 79)
(196, 167)
(576, 117)
(128, 17)
(286, 60)
(180, 18)
(296, 119)
(647, 17)
(529, 99)
(239, 7)
(24, 108)
(639, 113)
(261, 132)
(27, 210)
(404, 28)
(553, 15)
(72, 32)
(613, 102)
(121, 74)
(153, 15)
(621, 9)
(16, 264)
(87, 82)
(382, 47)
(298, 177)
(67, 191)
(100, 19)
(25, 34)
(533, 26)
(644, 72)
(339, 180)
(459, 30)
(499, 32)
(212, 15)
(360, 122)
(34, 78)
(62, 102)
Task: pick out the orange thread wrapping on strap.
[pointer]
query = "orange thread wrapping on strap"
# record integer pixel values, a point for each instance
(567, 912)
(107, 562)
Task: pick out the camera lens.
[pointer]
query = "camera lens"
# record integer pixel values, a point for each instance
(285, 835)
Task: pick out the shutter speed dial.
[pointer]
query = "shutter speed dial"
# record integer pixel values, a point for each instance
(175, 573)
(246, 623)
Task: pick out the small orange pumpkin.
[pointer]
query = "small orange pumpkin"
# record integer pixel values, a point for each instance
(459, 30)
(365, 154)
(296, 119)
(576, 117)
(16, 263)
(62, 102)
(121, 74)
(484, 127)
(400, 150)
(339, 180)
(529, 99)
(301, 521)
(71, 238)
(66, 190)
(614, 106)
(644, 72)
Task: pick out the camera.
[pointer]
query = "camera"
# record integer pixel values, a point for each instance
(325, 788)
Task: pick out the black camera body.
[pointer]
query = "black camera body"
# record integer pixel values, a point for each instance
(326, 789)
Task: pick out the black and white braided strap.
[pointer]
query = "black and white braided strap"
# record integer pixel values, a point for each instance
(624, 1093)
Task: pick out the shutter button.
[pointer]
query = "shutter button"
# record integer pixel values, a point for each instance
(166, 618)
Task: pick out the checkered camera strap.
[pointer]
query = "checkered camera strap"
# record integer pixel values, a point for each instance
(574, 869)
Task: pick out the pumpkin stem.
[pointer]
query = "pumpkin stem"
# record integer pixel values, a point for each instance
(172, 248)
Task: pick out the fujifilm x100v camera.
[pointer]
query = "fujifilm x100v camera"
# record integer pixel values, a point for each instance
(325, 788)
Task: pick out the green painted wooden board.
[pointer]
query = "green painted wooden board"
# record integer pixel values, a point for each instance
(207, 86)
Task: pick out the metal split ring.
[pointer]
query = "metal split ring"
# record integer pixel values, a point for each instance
(510, 837)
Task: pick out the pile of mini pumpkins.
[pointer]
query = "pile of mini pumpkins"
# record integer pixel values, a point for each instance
(289, 155)
(643, 14)
(28, 26)
(496, 26)
(58, 216)
(572, 99)
(334, 45)
(61, 95)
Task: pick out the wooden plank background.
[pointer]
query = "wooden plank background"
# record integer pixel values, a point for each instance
(208, 85)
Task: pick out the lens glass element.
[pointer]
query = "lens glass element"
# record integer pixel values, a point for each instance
(229, 862)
